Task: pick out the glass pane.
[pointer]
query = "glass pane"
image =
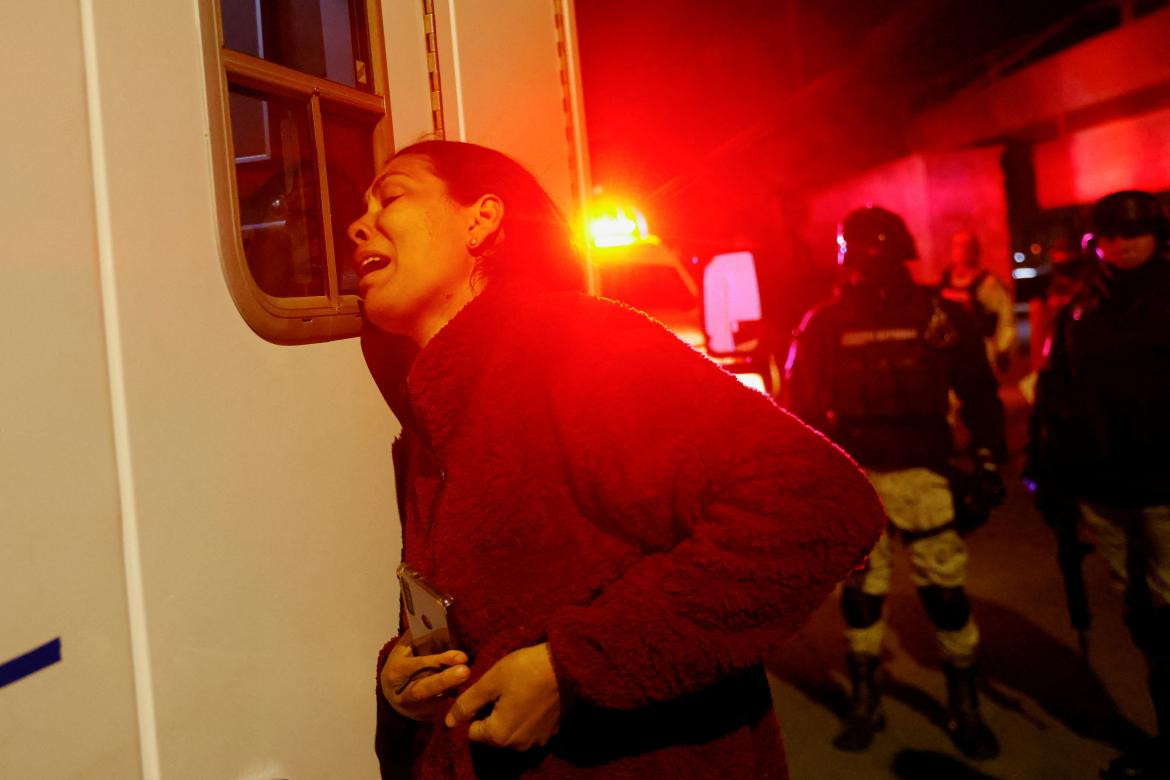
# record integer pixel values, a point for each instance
(647, 287)
(324, 38)
(280, 205)
(350, 152)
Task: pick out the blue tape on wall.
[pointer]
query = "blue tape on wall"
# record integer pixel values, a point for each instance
(32, 661)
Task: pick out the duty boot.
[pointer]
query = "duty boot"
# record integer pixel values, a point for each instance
(1160, 692)
(865, 716)
(1145, 762)
(968, 731)
(1150, 761)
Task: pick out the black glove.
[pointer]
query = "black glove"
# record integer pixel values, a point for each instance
(1039, 485)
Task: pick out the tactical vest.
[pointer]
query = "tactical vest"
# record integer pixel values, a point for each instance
(889, 362)
(967, 296)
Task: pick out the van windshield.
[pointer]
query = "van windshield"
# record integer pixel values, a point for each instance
(646, 287)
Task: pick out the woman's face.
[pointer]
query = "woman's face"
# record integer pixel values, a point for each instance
(413, 260)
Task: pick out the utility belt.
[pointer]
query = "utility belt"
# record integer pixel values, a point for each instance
(910, 537)
(922, 502)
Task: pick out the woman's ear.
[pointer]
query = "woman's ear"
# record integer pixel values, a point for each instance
(487, 216)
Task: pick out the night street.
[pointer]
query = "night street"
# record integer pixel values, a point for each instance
(1055, 715)
(346, 326)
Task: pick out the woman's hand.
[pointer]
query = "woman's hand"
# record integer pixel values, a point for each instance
(526, 711)
(414, 692)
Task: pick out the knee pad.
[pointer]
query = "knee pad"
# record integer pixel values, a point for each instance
(861, 609)
(947, 608)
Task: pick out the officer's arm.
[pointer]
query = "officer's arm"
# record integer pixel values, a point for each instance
(995, 298)
(807, 387)
(977, 389)
(1050, 410)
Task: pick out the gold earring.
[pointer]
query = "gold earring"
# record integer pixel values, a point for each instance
(471, 242)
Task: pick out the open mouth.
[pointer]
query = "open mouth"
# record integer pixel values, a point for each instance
(372, 263)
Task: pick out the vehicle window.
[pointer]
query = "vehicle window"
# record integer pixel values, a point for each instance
(646, 287)
(325, 38)
(280, 205)
(304, 123)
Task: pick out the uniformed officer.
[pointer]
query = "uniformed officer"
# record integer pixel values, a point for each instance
(1101, 430)
(968, 283)
(873, 369)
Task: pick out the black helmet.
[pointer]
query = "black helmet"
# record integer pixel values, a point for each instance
(1127, 213)
(873, 240)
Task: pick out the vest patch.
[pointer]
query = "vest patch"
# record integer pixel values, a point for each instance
(859, 338)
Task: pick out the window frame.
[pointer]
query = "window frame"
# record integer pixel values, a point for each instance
(288, 320)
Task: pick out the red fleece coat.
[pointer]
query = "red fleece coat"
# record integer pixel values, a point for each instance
(572, 473)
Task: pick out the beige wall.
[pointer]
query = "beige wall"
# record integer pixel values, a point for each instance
(937, 195)
(1131, 153)
(1064, 89)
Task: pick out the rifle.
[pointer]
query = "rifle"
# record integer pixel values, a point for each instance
(1042, 478)
(1062, 516)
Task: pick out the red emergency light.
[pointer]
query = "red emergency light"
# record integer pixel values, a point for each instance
(612, 223)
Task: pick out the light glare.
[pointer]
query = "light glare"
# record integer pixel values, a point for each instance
(612, 224)
(754, 381)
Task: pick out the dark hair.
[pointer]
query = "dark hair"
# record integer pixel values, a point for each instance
(534, 241)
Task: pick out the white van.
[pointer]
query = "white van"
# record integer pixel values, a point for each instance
(200, 533)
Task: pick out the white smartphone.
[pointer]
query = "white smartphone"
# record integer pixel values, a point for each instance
(428, 613)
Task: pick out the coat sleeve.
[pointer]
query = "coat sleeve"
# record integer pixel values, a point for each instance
(808, 383)
(746, 518)
(396, 737)
(995, 298)
(976, 387)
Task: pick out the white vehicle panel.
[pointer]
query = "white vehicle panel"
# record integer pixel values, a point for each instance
(234, 552)
(62, 550)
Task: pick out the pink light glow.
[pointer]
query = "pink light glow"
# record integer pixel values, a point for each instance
(1121, 155)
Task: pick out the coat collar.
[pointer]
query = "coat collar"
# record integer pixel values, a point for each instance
(449, 371)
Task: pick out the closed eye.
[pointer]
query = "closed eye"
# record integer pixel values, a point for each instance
(388, 195)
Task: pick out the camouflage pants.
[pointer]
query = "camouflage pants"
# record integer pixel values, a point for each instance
(1135, 542)
(918, 502)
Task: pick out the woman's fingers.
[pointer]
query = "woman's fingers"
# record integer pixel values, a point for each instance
(433, 685)
(407, 678)
(527, 701)
(474, 699)
(402, 661)
(449, 658)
